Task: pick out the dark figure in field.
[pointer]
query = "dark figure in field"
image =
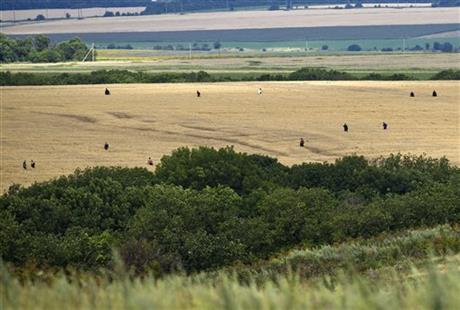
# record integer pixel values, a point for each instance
(385, 126)
(302, 142)
(345, 127)
(107, 92)
(150, 162)
(106, 146)
(412, 94)
(435, 94)
(24, 165)
(32, 164)
(198, 94)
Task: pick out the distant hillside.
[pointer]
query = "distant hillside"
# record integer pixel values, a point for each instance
(61, 4)
(171, 6)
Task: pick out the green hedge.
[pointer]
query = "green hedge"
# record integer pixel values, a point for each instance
(205, 208)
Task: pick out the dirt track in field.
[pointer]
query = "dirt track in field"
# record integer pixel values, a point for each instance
(63, 128)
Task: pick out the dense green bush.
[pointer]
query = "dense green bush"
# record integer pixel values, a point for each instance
(124, 76)
(40, 49)
(306, 74)
(205, 208)
(447, 75)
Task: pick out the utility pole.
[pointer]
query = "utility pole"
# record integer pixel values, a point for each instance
(306, 45)
(404, 45)
(93, 54)
(189, 50)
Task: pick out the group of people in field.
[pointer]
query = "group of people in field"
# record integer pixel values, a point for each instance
(434, 94)
(384, 124)
(198, 94)
(32, 164)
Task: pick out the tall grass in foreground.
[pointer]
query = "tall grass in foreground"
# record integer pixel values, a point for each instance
(436, 287)
(377, 273)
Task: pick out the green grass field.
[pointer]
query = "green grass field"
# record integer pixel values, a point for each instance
(333, 45)
(420, 65)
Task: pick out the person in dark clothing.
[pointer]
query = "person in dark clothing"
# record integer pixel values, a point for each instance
(24, 165)
(412, 94)
(32, 164)
(385, 126)
(107, 92)
(106, 146)
(198, 94)
(302, 142)
(435, 94)
(345, 127)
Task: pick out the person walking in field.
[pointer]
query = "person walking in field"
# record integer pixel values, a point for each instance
(32, 164)
(435, 94)
(345, 127)
(198, 94)
(302, 142)
(24, 165)
(385, 126)
(150, 161)
(106, 146)
(412, 94)
(107, 92)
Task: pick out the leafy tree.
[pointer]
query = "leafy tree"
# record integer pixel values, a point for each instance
(41, 42)
(217, 45)
(354, 48)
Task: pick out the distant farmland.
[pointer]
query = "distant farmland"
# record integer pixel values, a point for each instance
(265, 35)
(10, 15)
(245, 20)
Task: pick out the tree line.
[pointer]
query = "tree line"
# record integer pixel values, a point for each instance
(124, 76)
(206, 208)
(40, 49)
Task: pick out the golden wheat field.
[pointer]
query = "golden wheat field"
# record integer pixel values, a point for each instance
(65, 127)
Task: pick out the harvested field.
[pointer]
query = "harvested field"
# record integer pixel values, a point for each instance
(63, 128)
(146, 61)
(245, 20)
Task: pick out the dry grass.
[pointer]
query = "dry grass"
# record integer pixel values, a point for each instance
(245, 20)
(144, 62)
(63, 128)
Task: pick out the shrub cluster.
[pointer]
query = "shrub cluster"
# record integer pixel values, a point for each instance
(40, 49)
(124, 76)
(205, 208)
